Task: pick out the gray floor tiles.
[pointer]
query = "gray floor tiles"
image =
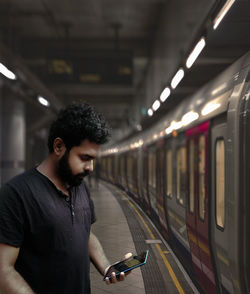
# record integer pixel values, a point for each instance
(112, 230)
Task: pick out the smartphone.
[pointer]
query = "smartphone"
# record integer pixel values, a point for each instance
(127, 265)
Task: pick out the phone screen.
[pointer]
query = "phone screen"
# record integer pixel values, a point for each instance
(127, 265)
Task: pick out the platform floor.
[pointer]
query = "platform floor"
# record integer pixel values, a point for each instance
(122, 227)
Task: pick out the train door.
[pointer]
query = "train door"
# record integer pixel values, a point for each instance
(219, 229)
(135, 175)
(152, 182)
(160, 179)
(132, 174)
(116, 168)
(198, 214)
(123, 172)
(140, 175)
(146, 202)
(175, 200)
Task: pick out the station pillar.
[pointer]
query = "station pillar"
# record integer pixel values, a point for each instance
(12, 135)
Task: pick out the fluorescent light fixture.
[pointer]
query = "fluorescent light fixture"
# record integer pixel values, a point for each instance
(140, 142)
(168, 130)
(43, 101)
(219, 89)
(177, 78)
(196, 52)
(156, 105)
(177, 125)
(165, 94)
(6, 72)
(150, 112)
(138, 127)
(222, 13)
(189, 117)
(210, 107)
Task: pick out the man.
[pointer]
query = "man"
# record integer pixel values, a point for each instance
(46, 213)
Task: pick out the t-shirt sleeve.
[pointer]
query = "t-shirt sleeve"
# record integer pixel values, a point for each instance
(11, 217)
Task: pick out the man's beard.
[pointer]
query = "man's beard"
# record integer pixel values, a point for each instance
(65, 172)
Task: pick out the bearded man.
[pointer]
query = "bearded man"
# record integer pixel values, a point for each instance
(46, 213)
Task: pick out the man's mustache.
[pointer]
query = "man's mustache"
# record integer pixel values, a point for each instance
(84, 174)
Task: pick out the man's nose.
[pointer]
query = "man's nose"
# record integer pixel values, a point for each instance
(89, 165)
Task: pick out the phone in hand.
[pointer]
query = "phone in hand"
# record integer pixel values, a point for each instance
(127, 265)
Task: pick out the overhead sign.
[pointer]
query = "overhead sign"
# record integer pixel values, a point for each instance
(105, 68)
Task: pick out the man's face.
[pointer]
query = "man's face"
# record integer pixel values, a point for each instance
(77, 163)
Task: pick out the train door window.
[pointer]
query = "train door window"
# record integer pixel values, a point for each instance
(110, 172)
(181, 175)
(123, 171)
(169, 174)
(130, 172)
(220, 183)
(202, 161)
(191, 175)
(152, 169)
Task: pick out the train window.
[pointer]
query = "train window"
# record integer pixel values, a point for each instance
(202, 161)
(152, 170)
(191, 175)
(220, 183)
(116, 168)
(130, 172)
(181, 175)
(110, 172)
(123, 171)
(169, 173)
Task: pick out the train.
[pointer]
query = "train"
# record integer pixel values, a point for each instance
(189, 173)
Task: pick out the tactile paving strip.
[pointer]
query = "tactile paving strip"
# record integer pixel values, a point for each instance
(152, 277)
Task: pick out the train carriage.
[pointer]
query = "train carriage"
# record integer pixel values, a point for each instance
(191, 175)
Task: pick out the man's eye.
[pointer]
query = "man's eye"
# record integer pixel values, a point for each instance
(85, 158)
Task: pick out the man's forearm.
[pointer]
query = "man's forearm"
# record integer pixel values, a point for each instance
(97, 254)
(11, 282)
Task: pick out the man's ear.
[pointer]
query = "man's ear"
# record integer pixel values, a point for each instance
(59, 146)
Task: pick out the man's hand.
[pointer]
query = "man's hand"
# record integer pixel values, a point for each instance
(120, 277)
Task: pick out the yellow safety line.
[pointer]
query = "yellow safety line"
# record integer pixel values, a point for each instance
(170, 270)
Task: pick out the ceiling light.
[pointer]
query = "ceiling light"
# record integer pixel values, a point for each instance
(189, 117)
(210, 107)
(168, 130)
(196, 52)
(6, 72)
(177, 125)
(150, 112)
(219, 89)
(43, 101)
(165, 94)
(156, 105)
(177, 78)
(222, 13)
(138, 127)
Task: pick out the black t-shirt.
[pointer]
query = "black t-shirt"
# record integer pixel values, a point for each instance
(52, 232)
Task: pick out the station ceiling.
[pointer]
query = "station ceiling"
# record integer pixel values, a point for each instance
(100, 51)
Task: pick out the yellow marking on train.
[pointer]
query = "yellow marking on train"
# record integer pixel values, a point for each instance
(202, 246)
(171, 214)
(167, 264)
(160, 207)
(223, 259)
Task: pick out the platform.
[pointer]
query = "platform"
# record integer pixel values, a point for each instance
(122, 227)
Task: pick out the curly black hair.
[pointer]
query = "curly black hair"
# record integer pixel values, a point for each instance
(77, 122)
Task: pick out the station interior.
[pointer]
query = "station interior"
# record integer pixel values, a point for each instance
(121, 57)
